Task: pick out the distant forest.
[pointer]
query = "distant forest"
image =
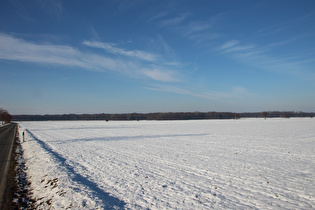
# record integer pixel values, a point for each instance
(163, 116)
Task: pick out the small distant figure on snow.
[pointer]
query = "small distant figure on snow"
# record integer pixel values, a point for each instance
(23, 136)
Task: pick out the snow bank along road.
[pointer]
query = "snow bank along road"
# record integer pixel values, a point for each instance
(210, 164)
(7, 134)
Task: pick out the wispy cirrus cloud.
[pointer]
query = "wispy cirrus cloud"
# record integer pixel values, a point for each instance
(157, 74)
(111, 48)
(201, 31)
(158, 16)
(227, 97)
(235, 46)
(229, 44)
(172, 21)
(15, 49)
(196, 27)
(264, 58)
(286, 53)
(188, 27)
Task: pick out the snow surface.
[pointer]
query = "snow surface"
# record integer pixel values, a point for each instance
(205, 164)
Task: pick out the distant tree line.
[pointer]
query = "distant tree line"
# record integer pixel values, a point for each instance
(275, 114)
(163, 116)
(5, 116)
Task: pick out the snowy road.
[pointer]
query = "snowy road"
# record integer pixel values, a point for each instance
(210, 164)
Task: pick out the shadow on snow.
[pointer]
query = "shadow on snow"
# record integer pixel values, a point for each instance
(108, 200)
(121, 138)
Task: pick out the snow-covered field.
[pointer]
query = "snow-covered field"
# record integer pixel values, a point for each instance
(206, 164)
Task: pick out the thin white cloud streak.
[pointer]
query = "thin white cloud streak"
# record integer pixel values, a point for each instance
(173, 21)
(19, 50)
(177, 90)
(15, 49)
(229, 44)
(227, 97)
(285, 25)
(158, 16)
(93, 33)
(260, 58)
(200, 31)
(157, 74)
(233, 46)
(115, 50)
(168, 52)
(276, 44)
(195, 27)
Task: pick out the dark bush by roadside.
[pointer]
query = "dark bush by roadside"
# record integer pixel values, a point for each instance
(5, 116)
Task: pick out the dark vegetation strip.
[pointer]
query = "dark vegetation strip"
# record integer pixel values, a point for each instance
(163, 116)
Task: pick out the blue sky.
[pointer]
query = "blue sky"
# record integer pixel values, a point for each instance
(144, 56)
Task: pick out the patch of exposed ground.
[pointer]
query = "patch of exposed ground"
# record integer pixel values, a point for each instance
(18, 193)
